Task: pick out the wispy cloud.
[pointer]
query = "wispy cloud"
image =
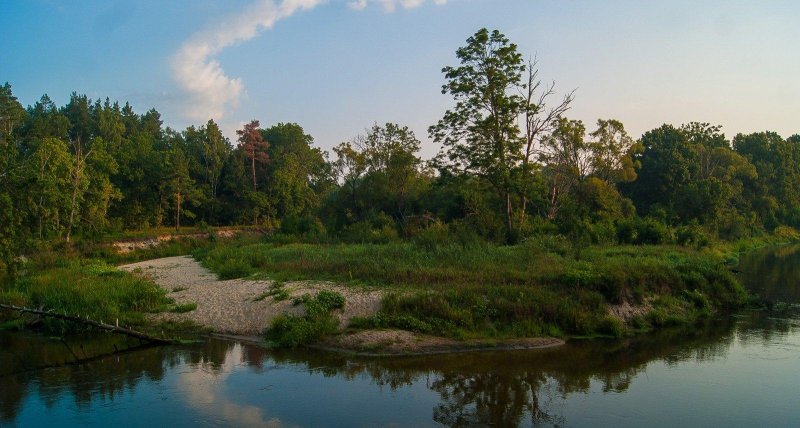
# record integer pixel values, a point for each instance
(390, 5)
(195, 67)
(198, 72)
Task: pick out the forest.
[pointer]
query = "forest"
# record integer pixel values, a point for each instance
(511, 165)
(526, 222)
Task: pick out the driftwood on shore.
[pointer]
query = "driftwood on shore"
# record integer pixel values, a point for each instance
(89, 322)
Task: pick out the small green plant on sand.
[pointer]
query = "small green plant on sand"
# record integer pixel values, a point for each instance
(276, 291)
(183, 308)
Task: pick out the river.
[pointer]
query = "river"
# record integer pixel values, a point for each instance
(740, 370)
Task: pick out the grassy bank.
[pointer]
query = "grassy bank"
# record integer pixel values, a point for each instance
(81, 278)
(89, 287)
(541, 287)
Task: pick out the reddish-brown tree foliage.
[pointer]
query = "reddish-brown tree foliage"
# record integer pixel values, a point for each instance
(254, 146)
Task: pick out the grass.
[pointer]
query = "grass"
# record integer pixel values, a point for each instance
(276, 291)
(86, 287)
(479, 291)
(184, 308)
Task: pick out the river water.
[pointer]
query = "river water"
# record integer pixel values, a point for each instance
(741, 370)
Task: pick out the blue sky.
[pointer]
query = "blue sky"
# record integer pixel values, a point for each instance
(336, 68)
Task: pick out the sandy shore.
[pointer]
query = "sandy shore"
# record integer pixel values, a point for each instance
(230, 307)
(233, 308)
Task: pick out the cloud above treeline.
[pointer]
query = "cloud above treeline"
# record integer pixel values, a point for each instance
(390, 5)
(211, 92)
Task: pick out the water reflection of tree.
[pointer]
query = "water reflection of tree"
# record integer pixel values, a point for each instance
(95, 379)
(773, 273)
(520, 388)
(502, 388)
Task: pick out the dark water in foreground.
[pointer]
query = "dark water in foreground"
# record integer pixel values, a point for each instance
(734, 371)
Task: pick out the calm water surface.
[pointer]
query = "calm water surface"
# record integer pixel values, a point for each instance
(742, 370)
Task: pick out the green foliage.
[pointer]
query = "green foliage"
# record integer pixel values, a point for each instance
(646, 231)
(480, 135)
(290, 331)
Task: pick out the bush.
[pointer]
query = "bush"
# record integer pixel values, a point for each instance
(433, 236)
(652, 231)
(306, 226)
(647, 231)
(291, 331)
(692, 235)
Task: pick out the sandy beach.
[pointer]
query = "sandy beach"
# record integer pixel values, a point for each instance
(232, 306)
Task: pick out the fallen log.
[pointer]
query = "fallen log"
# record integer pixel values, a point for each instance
(92, 323)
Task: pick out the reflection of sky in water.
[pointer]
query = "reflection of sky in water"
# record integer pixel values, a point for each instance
(204, 389)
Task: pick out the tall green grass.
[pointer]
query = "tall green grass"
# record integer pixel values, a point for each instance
(538, 287)
(90, 288)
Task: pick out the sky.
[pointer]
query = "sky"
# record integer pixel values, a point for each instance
(338, 66)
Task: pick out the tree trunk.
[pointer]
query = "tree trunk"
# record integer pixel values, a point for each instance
(86, 321)
(509, 217)
(178, 213)
(73, 204)
(254, 168)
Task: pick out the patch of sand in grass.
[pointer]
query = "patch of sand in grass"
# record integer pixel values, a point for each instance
(234, 307)
(241, 309)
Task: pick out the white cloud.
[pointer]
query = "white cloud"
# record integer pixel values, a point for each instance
(194, 67)
(390, 5)
(198, 73)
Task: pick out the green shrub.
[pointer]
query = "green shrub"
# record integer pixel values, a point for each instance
(433, 236)
(612, 326)
(291, 331)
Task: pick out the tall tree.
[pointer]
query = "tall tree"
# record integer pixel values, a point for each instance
(254, 147)
(480, 134)
(298, 173)
(350, 167)
(541, 120)
(80, 132)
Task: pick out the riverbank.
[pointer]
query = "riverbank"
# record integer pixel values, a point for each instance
(540, 288)
(468, 294)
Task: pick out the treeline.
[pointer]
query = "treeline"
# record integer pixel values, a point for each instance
(512, 165)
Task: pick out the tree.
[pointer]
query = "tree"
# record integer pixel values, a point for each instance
(612, 152)
(298, 174)
(540, 122)
(209, 150)
(776, 193)
(480, 134)
(48, 184)
(254, 147)
(77, 111)
(566, 160)
(12, 116)
(180, 185)
(350, 166)
(667, 160)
